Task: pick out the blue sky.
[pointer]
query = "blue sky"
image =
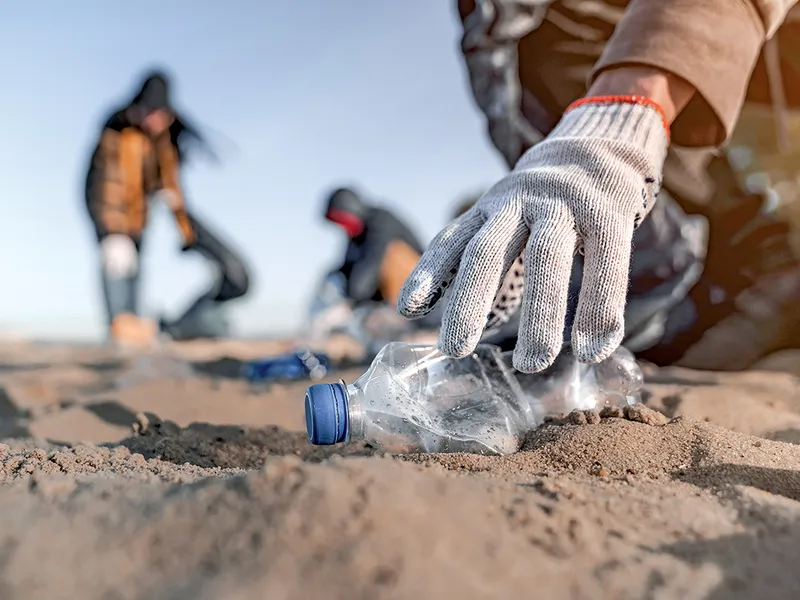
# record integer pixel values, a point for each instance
(298, 97)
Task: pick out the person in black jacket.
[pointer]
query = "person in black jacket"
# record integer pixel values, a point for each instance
(382, 250)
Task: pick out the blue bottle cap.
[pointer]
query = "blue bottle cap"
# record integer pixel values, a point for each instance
(326, 414)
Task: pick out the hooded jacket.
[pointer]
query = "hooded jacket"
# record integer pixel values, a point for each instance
(378, 258)
(127, 166)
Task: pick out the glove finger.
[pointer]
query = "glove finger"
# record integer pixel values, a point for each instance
(600, 317)
(486, 260)
(548, 264)
(437, 267)
(509, 297)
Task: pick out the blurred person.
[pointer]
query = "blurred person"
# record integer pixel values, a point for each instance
(358, 297)
(381, 250)
(137, 159)
(573, 236)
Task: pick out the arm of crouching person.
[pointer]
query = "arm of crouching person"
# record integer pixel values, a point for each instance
(365, 275)
(171, 191)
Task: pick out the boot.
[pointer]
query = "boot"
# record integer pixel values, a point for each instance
(130, 331)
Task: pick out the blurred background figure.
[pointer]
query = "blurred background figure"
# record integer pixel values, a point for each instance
(137, 160)
(358, 298)
(262, 202)
(381, 251)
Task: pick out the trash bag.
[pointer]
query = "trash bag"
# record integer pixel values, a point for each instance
(205, 317)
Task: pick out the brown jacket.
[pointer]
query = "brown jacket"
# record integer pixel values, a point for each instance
(126, 168)
(715, 45)
(712, 44)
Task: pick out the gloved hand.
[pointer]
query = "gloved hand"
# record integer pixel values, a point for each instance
(119, 256)
(188, 234)
(586, 187)
(174, 202)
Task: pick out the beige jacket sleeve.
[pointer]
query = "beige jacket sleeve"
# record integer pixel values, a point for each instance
(712, 44)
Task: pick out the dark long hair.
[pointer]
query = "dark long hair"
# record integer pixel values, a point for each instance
(185, 137)
(155, 93)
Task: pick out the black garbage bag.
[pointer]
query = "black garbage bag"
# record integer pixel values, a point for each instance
(205, 316)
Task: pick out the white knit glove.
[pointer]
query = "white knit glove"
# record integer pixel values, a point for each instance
(586, 187)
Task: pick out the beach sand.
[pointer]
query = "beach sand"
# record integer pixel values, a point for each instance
(123, 483)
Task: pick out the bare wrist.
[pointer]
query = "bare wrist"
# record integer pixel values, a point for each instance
(670, 92)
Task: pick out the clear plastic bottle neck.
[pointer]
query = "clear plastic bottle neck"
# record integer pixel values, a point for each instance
(356, 416)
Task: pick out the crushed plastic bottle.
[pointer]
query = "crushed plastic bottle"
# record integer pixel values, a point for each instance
(415, 399)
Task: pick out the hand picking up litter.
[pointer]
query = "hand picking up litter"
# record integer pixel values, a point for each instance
(587, 167)
(584, 188)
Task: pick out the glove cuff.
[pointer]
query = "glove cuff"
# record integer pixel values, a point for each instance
(622, 100)
(634, 120)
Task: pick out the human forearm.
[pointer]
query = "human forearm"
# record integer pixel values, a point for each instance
(171, 192)
(712, 45)
(669, 91)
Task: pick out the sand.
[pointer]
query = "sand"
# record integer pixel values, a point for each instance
(197, 485)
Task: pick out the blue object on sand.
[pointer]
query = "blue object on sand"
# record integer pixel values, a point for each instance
(292, 367)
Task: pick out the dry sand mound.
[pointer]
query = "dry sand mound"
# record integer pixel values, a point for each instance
(617, 508)
(639, 505)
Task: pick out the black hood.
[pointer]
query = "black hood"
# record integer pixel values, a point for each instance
(349, 201)
(154, 93)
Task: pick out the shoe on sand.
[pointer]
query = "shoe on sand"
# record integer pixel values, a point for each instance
(130, 331)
